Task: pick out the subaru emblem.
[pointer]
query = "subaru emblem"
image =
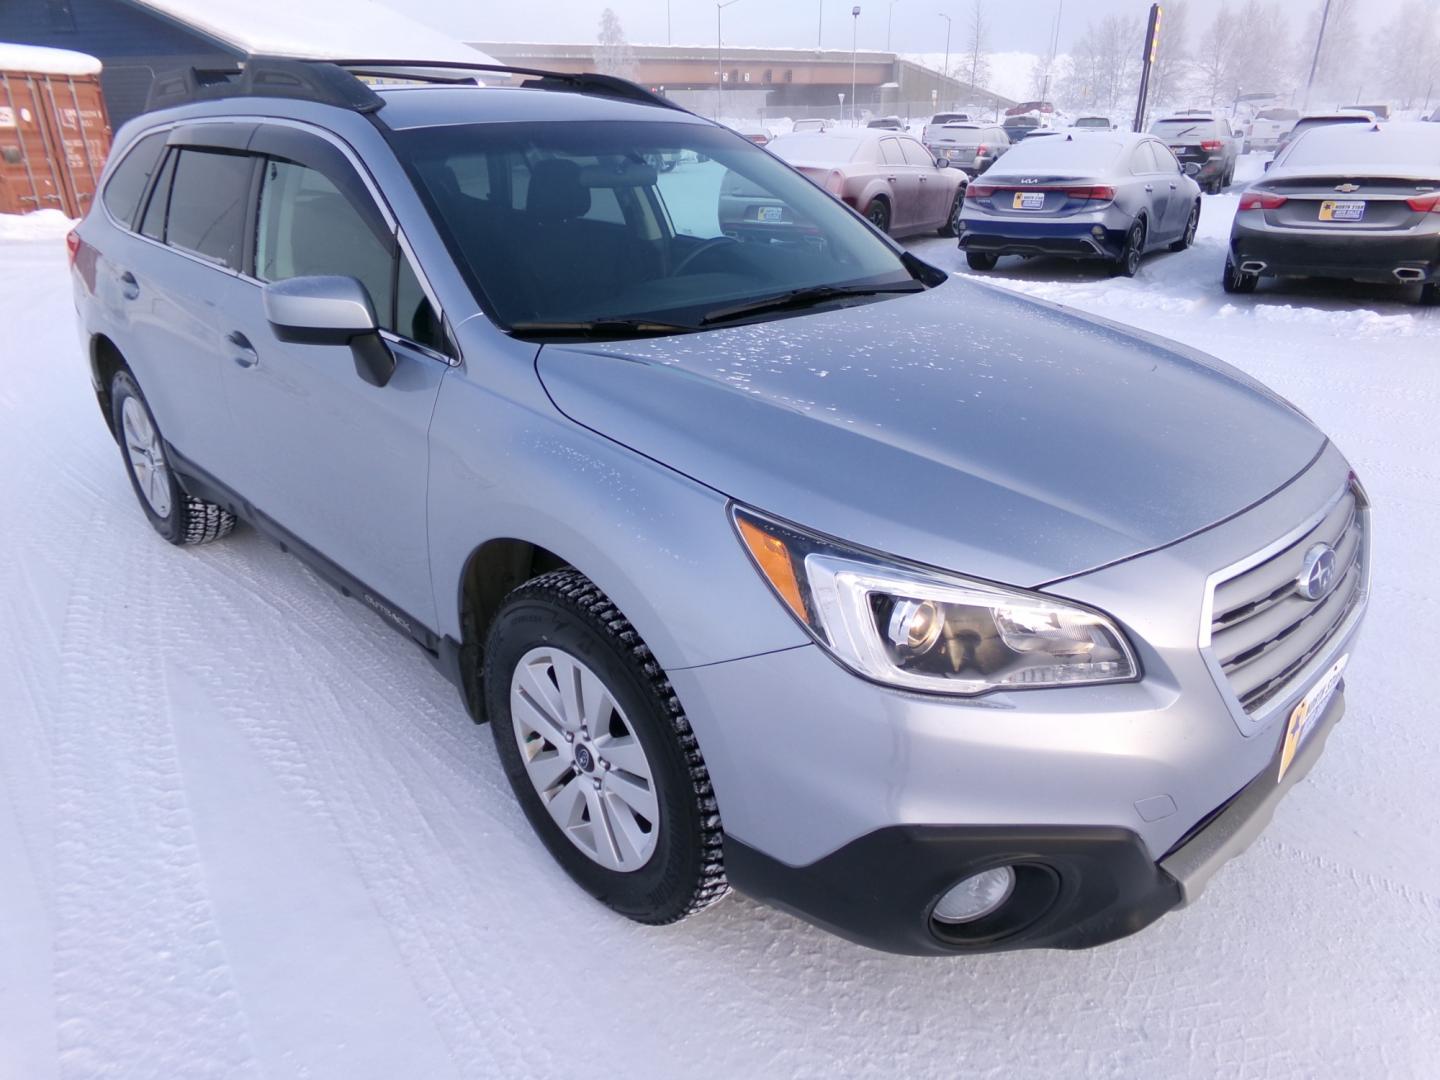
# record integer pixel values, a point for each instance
(1317, 573)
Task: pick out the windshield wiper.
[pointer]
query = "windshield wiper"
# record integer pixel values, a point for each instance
(600, 328)
(796, 299)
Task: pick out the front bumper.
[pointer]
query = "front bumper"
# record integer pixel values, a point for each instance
(857, 805)
(1351, 255)
(1076, 887)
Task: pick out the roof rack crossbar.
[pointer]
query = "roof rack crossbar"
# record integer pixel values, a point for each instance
(341, 82)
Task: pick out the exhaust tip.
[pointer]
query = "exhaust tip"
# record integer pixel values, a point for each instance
(1409, 273)
(1254, 266)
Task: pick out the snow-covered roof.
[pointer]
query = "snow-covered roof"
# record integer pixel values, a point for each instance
(317, 29)
(46, 61)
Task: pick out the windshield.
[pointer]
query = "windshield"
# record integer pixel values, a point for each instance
(827, 148)
(1278, 114)
(560, 223)
(1093, 122)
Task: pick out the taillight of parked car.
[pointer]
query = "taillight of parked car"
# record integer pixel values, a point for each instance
(1425, 204)
(72, 246)
(1211, 145)
(979, 191)
(1261, 200)
(835, 183)
(1095, 192)
(981, 150)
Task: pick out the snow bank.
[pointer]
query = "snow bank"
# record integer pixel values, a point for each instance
(39, 225)
(46, 61)
(318, 29)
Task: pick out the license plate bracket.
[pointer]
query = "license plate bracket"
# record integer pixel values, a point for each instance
(1307, 712)
(1342, 210)
(1029, 200)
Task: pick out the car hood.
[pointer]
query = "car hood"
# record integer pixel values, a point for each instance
(963, 427)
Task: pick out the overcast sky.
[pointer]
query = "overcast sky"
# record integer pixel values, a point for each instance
(1015, 25)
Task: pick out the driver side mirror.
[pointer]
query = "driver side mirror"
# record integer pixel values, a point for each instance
(330, 310)
(1192, 169)
(942, 163)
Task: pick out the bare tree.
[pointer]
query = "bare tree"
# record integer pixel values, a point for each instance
(614, 56)
(1105, 64)
(978, 62)
(1215, 56)
(1405, 55)
(1171, 70)
(1338, 74)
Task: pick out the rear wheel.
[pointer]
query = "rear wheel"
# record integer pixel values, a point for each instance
(1188, 236)
(178, 517)
(981, 260)
(1430, 293)
(599, 752)
(1128, 264)
(1235, 281)
(952, 223)
(878, 213)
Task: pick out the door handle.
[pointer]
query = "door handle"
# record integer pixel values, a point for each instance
(1172, 185)
(891, 179)
(129, 287)
(244, 353)
(1149, 187)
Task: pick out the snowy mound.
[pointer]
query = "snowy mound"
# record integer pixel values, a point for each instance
(46, 61)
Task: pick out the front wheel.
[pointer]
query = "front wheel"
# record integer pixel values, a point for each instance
(981, 260)
(1235, 280)
(1430, 293)
(178, 517)
(1191, 226)
(1128, 264)
(878, 214)
(600, 753)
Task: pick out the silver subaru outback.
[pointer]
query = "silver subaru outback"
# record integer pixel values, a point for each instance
(948, 620)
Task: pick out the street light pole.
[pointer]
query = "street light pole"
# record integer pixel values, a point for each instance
(720, 5)
(945, 71)
(1315, 60)
(889, 22)
(854, 39)
(820, 28)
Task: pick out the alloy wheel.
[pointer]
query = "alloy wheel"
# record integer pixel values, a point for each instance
(147, 456)
(585, 759)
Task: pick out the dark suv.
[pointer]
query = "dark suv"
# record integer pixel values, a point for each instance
(1209, 142)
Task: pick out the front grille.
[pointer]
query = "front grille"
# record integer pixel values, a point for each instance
(1263, 631)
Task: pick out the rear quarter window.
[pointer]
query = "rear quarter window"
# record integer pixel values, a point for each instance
(127, 183)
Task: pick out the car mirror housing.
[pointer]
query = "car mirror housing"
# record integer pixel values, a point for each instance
(330, 310)
(942, 163)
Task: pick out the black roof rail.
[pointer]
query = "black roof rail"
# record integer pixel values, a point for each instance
(445, 71)
(265, 76)
(341, 82)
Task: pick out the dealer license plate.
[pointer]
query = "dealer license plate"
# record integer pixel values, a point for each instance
(1308, 712)
(1029, 200)
(1342, 210)
(769, 213)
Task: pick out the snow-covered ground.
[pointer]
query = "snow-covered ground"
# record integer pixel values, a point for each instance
(246, 831)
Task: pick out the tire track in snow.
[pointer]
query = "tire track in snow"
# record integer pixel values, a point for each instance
(141, 977)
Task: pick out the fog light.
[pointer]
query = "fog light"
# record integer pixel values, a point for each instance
(976, 896)
(1098, 230)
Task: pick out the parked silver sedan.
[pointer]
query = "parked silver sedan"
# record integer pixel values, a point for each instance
(1107, 195)
(971, 147)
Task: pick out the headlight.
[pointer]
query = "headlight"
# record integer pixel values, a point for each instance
(923, 629)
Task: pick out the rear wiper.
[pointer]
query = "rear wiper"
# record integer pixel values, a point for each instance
(600, 328)
(803, 298)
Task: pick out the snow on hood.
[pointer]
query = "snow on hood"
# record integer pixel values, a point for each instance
(46, 61)
(318, 29)
(962, 427)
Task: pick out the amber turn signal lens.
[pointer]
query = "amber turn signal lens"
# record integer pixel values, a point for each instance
(773, 558)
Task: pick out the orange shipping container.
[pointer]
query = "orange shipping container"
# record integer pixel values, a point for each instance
(54, 132)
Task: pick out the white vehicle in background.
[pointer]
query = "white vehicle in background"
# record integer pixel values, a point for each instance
(813, 125)
(932, 130)
(1380, 112)
(1264, 132)
(1095, 123)
(1316, 120)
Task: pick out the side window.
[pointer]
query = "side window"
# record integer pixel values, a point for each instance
(915, 154)
(208, 200)
(153, 224)
(1142, 161)
(1167, 161)
(127, 183)
(890, 152)
(307, 226)
(604, 206)
(692, 213)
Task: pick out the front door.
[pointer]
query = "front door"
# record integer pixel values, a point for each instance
(339, 464)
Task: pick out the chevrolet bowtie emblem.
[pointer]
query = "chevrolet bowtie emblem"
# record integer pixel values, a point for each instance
(1347, 188)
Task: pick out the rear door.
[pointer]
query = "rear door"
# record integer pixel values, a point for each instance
(933, 202)
(339, 464)
(167, 288)
(1177, 204)
(904, 182)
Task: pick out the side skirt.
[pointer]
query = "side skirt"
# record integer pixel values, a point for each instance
(443, 652)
